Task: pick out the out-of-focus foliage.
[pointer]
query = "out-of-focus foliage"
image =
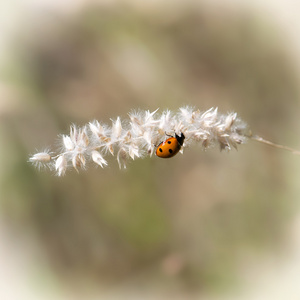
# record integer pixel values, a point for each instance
(189, 222)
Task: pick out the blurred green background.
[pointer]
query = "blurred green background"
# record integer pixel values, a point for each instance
(199, 225)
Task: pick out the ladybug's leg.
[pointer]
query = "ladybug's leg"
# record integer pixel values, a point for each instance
(168, 134)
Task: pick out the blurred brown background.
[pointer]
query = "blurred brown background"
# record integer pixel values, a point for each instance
(205, 225)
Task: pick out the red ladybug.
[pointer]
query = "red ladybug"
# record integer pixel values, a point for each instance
(170, 146)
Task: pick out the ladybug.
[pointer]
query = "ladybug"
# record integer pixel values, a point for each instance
(170, 146)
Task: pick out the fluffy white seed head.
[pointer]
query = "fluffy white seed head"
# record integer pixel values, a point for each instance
(42, 157)
(122, 157)
(61, 165)
(141, 134)
(98, 159)
(78, 161)
(133, 151)
(117, 128)
(83, 139)
(68, 143)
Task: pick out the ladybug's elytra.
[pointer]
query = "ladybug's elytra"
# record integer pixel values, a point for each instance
(170, 146)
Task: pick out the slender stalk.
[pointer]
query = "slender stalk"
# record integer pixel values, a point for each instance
(262, 140)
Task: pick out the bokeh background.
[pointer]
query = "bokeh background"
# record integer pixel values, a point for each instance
(203, 225)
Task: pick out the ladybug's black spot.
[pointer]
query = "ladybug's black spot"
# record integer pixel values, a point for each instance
(170, 150)
(160, 150)
(169, 142)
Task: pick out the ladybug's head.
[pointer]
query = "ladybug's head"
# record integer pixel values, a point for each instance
(180, 138)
